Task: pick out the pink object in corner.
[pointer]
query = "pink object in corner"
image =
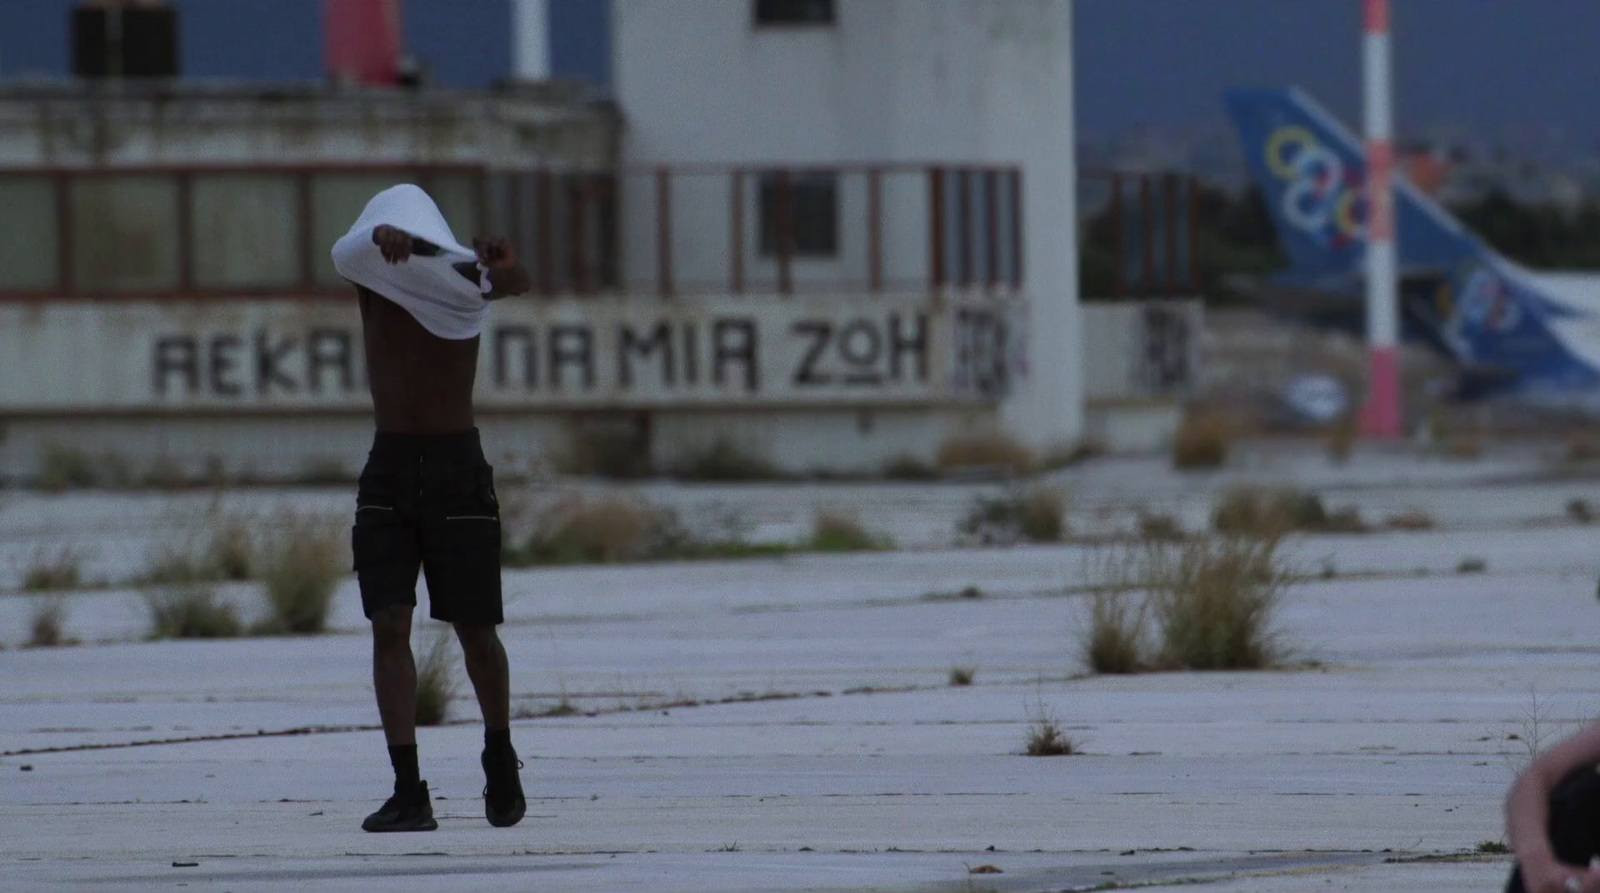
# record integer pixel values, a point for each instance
(361, 40)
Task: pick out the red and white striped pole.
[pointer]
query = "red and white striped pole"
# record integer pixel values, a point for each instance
(1382, 413)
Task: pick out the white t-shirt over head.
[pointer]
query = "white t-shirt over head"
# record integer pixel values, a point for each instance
(445, 302)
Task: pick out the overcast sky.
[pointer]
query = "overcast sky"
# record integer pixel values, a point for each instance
(1493, 63)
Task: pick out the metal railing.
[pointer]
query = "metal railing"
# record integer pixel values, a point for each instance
(238, 231)
(1137, 234)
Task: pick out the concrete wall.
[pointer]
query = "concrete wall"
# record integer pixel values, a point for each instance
(134, 450)
(71, 127)
(178, 356)
(700, 218)
(934, 81)
(276, 388)
(1142, 350)
(1142, 364)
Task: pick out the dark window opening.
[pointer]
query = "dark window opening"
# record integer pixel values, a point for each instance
(810, 211)
(794, 12)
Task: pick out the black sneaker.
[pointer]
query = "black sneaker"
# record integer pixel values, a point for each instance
(405, 811)
(503, 802)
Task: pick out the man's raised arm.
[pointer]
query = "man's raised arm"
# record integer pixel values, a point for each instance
(505, 275)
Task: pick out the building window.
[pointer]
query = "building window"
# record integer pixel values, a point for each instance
(807, 206)
(30, 253)
(459, 197)
(125, 233)
(794, 12)
(336, 201)
(245, 231)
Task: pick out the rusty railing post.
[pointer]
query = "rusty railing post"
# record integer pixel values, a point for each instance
(664, 232)
(964, 210)
(1017, 240)
(991, 214)
(936, 227)
(1148, 231)
(785, 232)
(1119, 282)
(875, 230)
(545, 250)
(736, 231)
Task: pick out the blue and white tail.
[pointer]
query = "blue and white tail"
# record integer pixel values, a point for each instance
(1312, 173)
(1484, 309)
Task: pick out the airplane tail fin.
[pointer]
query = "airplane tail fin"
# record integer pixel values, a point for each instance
(1482, 308)
(1312, 172)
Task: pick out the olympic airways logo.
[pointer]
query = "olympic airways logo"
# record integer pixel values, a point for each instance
(1484, 303)
(1322, 199)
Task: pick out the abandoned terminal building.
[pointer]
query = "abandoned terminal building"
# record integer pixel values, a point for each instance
(831, 235)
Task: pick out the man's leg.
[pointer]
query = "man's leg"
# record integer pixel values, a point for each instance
(394, 674)
(485, 657)
(489, 671)
(394, 677)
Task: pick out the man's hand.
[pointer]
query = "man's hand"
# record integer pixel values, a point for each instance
(1550, 876)
(394, 244)
(494, 252)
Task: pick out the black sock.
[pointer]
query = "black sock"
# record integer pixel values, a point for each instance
(495, 739)
(404, 759)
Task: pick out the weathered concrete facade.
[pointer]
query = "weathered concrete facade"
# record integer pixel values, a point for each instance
(131, 125)
(160, 370)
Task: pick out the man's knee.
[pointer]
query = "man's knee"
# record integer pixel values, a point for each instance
(391, 627)
(477, 638)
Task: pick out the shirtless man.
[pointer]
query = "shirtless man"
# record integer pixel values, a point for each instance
(1553, 819)
(426, 498)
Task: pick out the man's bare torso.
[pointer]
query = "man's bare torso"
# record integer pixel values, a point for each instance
(421, 383)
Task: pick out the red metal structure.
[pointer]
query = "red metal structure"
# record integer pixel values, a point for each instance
(361, 40)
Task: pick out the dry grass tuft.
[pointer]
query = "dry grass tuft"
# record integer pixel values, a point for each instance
(997, 452)
(1214, 601)
(611, 529)
(1203, 441)
(191, 613)
(1414, 520)
(436, 681)
(909, 468)
(724, 460)
(1034, 514)
(64, 468)
(1116, 637)
(1068, 455)
(1046, 739)
(601, 529)
(1579, 511)
(318, 471)
(1342, 437)
(960, 676)
(47, 623)
(223, 548)
(833, 531)
(1270, 512)
(1154, 528)
(1583, 446)
(1115, 641)
(1462, 447)
(302, 563)
(618, 449)
(52, 570)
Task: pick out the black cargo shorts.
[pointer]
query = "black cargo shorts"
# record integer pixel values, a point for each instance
(426, 502)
